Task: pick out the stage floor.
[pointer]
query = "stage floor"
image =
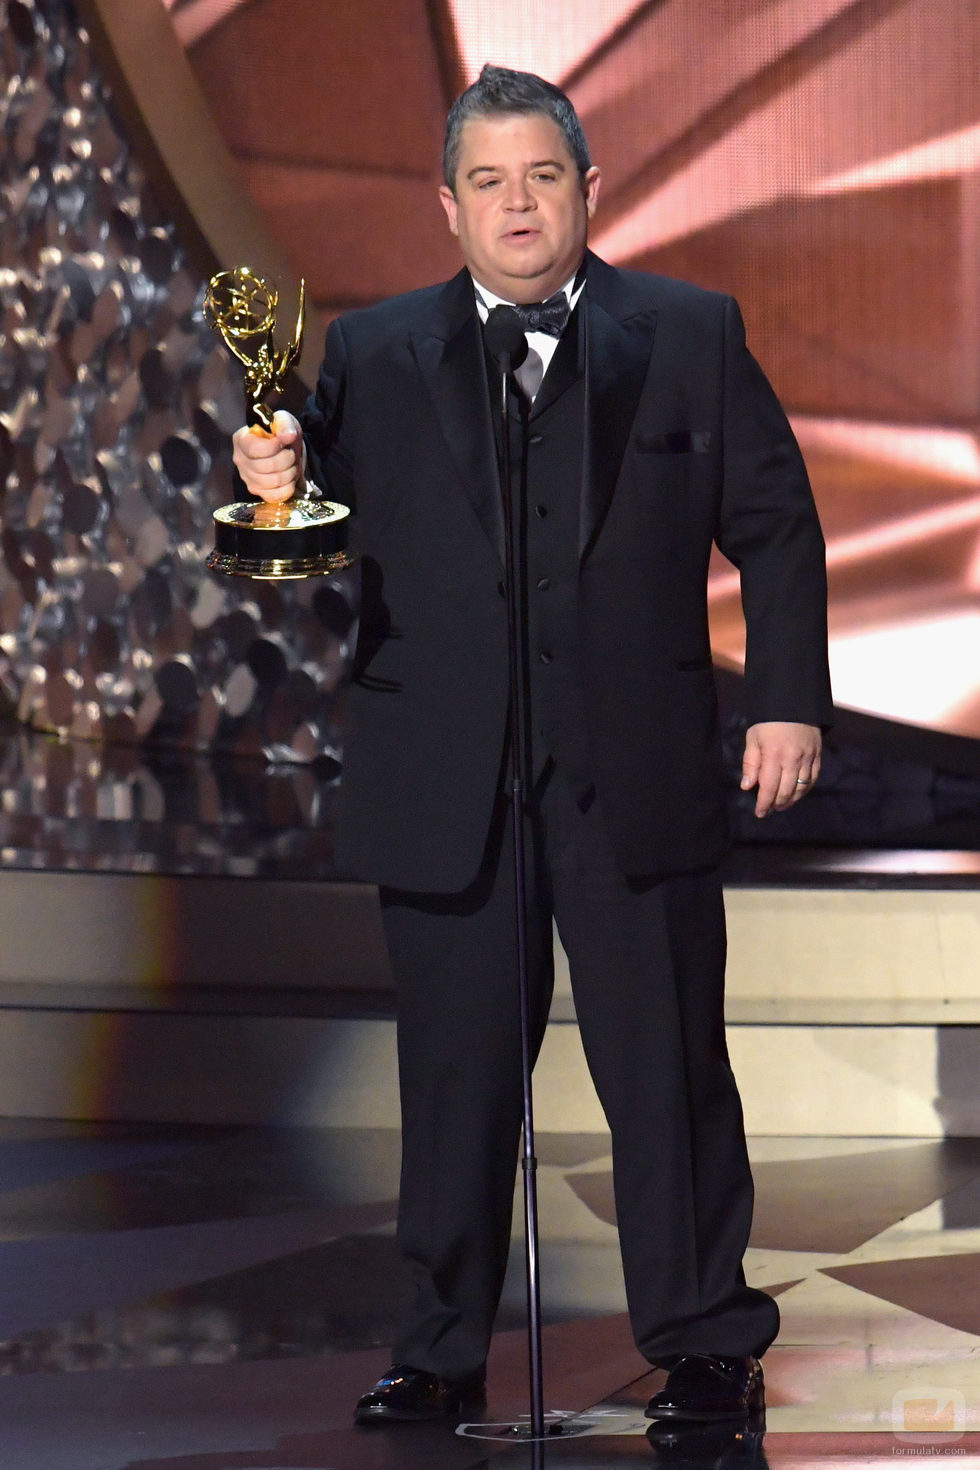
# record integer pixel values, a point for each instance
(182, 1298)
(216, 1299)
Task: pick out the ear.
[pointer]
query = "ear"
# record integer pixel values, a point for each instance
(448, 200)
(591, 180)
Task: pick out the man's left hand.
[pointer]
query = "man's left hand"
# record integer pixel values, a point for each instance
(782, 760)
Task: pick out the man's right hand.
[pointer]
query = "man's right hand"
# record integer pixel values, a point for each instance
(271, 464)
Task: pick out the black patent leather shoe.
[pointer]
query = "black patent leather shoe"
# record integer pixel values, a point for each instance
(406, 1395)
(702, 1388)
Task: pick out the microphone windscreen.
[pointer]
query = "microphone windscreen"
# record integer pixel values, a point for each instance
(505, 339)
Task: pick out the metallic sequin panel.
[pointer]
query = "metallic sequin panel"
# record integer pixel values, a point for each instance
(116, 403)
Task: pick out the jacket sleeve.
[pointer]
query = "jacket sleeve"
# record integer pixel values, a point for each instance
(326, 422)
(768, 528)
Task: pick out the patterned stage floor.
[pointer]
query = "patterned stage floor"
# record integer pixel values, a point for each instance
(215, 1299)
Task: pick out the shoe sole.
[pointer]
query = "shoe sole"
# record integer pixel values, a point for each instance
(382, 1414)
(707, 1416)
(387, 1416)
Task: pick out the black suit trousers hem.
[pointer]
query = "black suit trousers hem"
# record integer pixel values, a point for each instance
(646, 959)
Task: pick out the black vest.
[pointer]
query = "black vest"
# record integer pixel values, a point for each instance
(546, 456)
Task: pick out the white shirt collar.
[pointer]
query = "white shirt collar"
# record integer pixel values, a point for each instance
(486, 299)
(541, 345)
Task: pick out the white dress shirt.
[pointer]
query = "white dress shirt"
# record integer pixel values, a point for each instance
(541, 345)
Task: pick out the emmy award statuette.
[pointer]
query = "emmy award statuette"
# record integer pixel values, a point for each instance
(299, 537)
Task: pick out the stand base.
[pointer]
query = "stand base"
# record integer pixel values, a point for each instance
(557, 1425)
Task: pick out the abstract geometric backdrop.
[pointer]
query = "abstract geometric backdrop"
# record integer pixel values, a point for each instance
(820, 158)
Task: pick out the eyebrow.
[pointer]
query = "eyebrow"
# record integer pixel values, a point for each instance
(495, 168)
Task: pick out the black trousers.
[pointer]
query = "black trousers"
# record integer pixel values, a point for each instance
(647, 959)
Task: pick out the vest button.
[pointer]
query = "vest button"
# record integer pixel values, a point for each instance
(540, 511)
(543, 584)
(536, 439)
(545, 657)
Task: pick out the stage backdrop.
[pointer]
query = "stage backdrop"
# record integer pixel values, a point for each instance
(820, 158)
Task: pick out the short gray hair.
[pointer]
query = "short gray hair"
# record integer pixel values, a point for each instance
(498, 91)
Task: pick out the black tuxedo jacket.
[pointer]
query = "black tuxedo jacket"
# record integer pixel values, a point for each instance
(685, 444)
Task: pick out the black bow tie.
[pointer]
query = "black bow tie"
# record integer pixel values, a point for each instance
(549, 316)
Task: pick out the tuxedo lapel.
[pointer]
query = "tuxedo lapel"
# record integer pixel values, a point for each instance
(619, 327)
(615, 334)
(565, 367)
(452, 364)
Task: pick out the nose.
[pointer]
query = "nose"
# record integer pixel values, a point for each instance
(518, 196)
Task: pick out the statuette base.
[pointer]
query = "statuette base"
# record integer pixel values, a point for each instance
(279, 543)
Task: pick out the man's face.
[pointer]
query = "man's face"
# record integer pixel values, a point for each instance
(520, 209)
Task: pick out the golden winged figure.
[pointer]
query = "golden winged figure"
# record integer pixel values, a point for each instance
(242, 307)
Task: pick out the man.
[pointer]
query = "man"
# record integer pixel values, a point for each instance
(646, 432)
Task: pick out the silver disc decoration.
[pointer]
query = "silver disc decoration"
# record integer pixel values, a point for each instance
(116, 406)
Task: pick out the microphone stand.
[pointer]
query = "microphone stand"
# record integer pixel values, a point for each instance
(506, 342)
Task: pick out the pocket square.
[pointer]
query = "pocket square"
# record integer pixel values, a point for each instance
(680, 441)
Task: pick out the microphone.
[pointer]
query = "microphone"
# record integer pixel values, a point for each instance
(504, 336)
